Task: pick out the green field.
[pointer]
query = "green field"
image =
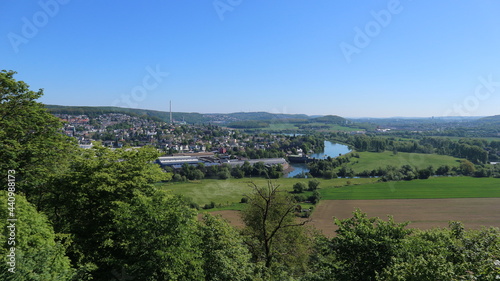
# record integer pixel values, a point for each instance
(227, 192)
(334, 127)
(281, 126)
(435, 187)
(373, 160)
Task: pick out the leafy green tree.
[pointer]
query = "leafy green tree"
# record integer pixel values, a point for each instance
(224, 173)
(313, 184)
(364, 246)
(39, 253)
(224, 254)
(447, 254)
(155, 238)
(196, 175)
(81, 201)
(315, 197)
(274, 237)
(299, 187)
(467, 168)
(237, 172)
(31, 139)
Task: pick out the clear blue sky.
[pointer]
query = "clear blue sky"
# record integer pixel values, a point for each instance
(421, 58)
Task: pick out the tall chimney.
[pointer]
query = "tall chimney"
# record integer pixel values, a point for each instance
(171, 112)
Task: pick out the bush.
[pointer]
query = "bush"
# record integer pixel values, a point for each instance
(313, 184)
(300, 198)
(209, 206)
(224, 174)
(299, 187)
(315, 197)
(244, 200)
(176, 177)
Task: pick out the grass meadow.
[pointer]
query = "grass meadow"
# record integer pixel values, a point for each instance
(373, 160)
(432, 188)
(228, 193)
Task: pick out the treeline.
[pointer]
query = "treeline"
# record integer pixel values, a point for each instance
(337, 167)
(475, 150)
(225, 171)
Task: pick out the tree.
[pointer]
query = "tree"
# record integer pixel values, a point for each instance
(224, 173)
(39, 254)
(299, 187)
(31, 139)
(81, 201)
(316, 196)
(154, 238)
(197, 175)
(467, 168)
(224, 254)
(237, 172)
(313, 184)
(447, 254)
(274, 237)
(365, 246)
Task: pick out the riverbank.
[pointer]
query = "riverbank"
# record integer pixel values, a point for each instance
(331, 150)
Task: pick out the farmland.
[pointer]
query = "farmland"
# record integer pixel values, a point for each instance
(421, 213)
(227, 192)
(425, 203)
(432, 188)
(374, 160)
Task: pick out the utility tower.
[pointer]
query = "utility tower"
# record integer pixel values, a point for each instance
(171, 121)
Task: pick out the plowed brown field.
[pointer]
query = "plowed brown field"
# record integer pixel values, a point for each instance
(422, 213)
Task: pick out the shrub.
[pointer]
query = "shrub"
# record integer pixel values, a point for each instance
(313, 184)
(299, 187)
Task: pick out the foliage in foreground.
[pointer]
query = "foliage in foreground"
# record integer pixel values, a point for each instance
(37, 252)
(373, 249)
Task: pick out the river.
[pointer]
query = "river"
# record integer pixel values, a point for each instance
(331, 149)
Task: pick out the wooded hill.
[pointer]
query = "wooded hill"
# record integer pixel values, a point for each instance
(239, 119)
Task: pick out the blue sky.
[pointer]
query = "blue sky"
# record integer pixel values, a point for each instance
(375, 59)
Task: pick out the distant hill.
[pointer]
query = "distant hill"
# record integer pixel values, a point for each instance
(258, 116)
(490, 119)
(330, 119)
(146, 113)
(221, 118)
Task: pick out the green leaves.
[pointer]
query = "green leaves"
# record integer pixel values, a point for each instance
(39, 255)
(156, 239)
(274, 236)
(225, 256)
(31, 139)
(366, 245)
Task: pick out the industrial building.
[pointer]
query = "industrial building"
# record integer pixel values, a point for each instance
(176, 162)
